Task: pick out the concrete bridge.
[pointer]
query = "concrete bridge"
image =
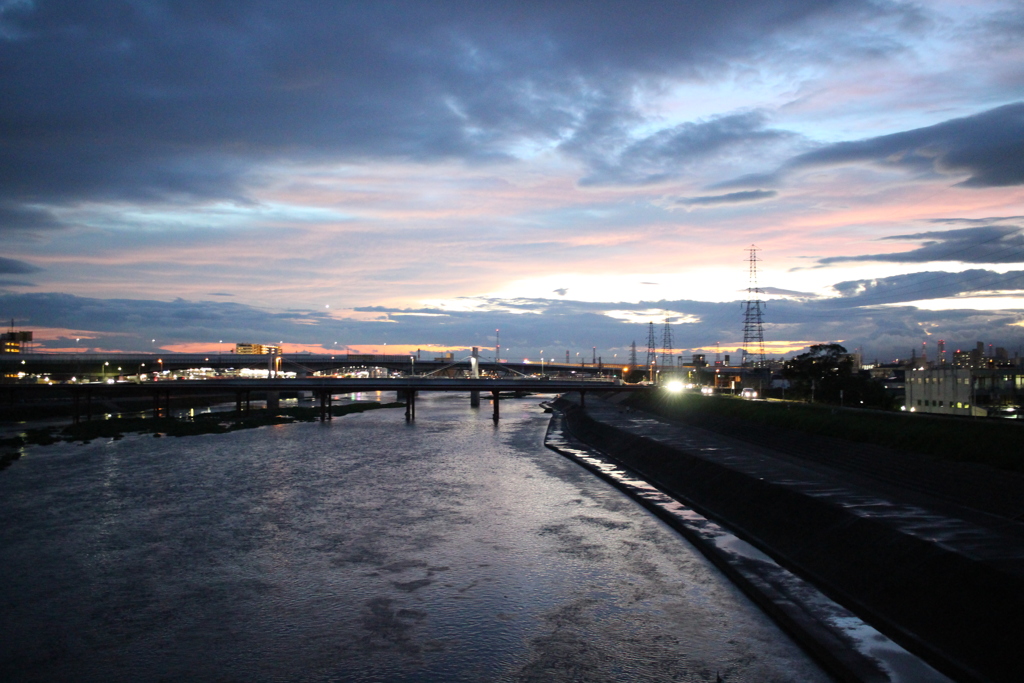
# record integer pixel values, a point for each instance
(64, 366)
(323, 388)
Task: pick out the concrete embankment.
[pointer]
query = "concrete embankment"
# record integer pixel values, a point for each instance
(948, 587)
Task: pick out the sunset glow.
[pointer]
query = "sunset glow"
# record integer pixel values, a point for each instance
(568, 194)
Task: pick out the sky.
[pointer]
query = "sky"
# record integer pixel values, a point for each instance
(392, 176)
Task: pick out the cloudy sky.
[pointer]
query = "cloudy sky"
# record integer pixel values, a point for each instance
(184, 175)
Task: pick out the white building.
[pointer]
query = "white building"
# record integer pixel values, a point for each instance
(945, 390)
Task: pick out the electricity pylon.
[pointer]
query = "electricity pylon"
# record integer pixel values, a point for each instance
(667, 349)
(652, 351)
(753, 320)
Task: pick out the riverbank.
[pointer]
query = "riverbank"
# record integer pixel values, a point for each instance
(944, 581)
(42, 409)
(200, 423)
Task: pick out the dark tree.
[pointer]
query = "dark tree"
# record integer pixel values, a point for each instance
(826, 374)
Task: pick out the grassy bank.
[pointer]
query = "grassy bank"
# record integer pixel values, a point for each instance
(204, 423)
(996, 443)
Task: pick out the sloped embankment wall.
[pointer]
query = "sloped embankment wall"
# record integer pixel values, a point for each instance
(963, 615)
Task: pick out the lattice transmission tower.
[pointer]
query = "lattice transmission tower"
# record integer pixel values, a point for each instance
(667, 349)
(753, 318)
(652, 349)
(632, 354)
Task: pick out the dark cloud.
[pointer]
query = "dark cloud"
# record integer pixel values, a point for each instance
(984, 244)
(988, 148)
(15, 217)
(856, 318)
(976, 221)
(730, 198)
(788, 292)
(925, 285)
(528, 325)
(668, 153)
(9, 266)
(179, 100)
(168, 321)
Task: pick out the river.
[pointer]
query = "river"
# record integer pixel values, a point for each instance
(362, 549)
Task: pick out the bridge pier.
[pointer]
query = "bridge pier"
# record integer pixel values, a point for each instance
(474, 366)
(583, 399)
(165, 411)
(77, 396)
(410, 405)
(494, 400)
(273, 400)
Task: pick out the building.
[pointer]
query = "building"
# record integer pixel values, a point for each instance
(257, 349)
(14, 342)
(977, 358)
(966, 391)
(945, 390)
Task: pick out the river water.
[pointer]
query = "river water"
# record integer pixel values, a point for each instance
(363, 549)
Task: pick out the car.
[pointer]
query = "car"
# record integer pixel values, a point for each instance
(748, 393)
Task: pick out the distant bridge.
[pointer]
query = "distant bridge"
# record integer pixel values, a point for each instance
(324, 388)
(64, 366)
